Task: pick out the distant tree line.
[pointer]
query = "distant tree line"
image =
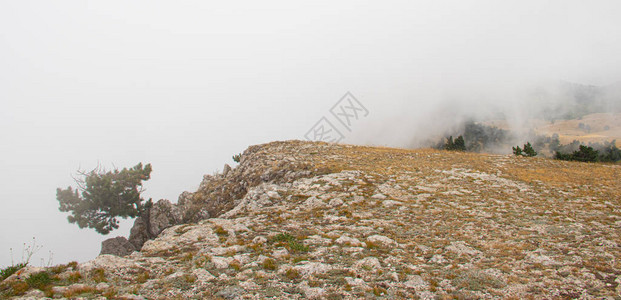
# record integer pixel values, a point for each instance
(476, 138)
(575, 151)
(593, 152)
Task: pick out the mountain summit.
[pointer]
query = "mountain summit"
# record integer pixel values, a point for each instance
(314, 220)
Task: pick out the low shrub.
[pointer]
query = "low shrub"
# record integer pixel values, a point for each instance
(292, 274)
(220, 231)
(8, 271)
(269, 264)
(39, 280)
(283, 237)
(290, 242)
(98, 275)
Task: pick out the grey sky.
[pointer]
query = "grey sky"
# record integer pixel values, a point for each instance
(186, 84)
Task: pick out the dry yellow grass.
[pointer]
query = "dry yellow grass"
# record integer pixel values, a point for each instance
(386, 161)
(605, 127)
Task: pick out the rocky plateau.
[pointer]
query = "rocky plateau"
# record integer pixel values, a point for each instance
(297, 220)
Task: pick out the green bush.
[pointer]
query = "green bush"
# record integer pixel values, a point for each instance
(283, 237)
(269, 264)
(27, 252)
(291, 242)
(8, 271)
(528, 150)
(296, 247)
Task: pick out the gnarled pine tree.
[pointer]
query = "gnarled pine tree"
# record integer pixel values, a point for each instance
(102, 197)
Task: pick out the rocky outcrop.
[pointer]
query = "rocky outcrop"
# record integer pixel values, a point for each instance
(271, 163)
(161, 215)
(276, 162)
(385, 223)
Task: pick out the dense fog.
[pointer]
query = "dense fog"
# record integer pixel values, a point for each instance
(186, 85)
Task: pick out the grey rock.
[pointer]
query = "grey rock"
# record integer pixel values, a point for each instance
(163, 214)
(416, 282)
(226, 170)
(139, 234)
(259, 240)
(118, 246)
(185, 198)
(102, 286)
(34, 294)
(231, 292)
(132, 297)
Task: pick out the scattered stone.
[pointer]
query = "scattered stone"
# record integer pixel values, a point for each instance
(259, 240)
(280, 253)
(379, 196)
(203, 275)
(34, 294)
(461, 248)
(368, 263)
(346, 240)
(118, 246)
(357, 282)
(273, 195)
(311, 292)
(335, 202)
(108, 262)
(416, 283)
(59, 289)
(313, 202)
(536, 257)
(219, 251)
(382, 240)
(231, 292)
(390, 203)
(221, 262)
(426, 295)
(438, 259)
(308, 268)
(131, 297)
